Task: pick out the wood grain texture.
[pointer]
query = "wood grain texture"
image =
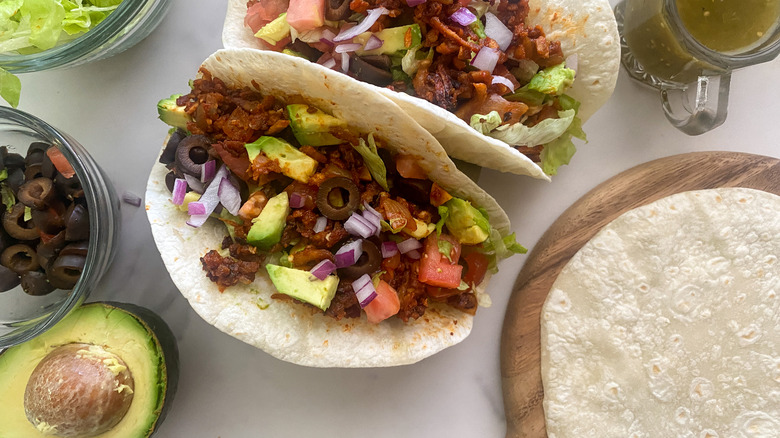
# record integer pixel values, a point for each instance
(648, 182)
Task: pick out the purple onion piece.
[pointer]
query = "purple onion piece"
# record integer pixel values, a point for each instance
(195, 184)
(463, 16)
(497, 30)
(208, 170)
(414, 254)
(504, 81)
(229, 196)
(486, 59)
(330, 63)
(322, 269)
(196, 208)
(296, 200)
(179, 190)
(354, 250)
(409, 244)
(389, 249)
(132, 199)
(345, 62)
(198, 220)
(373, 43)
(371, 17)
(347, 47)
(320, 225)
(357, 226)
(364, 290)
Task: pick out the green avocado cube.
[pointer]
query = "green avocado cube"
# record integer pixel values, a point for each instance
(303, 286)
(552, 80)
(466, 223)
(292, 162)
(312, 127)
(394, 40)
(267, 227)
(171, 113)
(275, 31)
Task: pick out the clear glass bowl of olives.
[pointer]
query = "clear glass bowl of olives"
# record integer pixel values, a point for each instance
(59, 220)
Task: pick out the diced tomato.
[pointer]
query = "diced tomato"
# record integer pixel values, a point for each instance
(438, 195)
(306, 15)
(60, 162)
(407, 167)
(441, 293)
(435, 269)
(464, 3)
(397, 215)
(385, 305)
(264, 12)
(476, 267)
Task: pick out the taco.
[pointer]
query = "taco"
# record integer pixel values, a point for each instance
(331, 230)
(501, 84)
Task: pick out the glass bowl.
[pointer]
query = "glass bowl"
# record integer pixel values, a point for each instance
(131, 22)
(23, 316)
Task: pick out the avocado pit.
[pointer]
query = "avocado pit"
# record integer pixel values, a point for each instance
(78, 390)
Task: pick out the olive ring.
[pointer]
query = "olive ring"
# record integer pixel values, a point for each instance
(368, 262)
(333, 212)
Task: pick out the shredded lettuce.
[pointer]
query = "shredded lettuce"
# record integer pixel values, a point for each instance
(559, 151)
(373, 161)
(7, 195)
(444, 213)
(518, 134)
(412, 59)
(10, 88)
(445, 248)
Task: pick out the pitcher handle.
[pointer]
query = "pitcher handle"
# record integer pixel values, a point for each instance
(710, 104)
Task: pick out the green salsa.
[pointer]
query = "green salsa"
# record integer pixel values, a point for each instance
(729, 25)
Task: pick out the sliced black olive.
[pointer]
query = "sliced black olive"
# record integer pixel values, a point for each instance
(19, 258)
(8, 279)
(416, 190)
(76, 248)
(65, 271)
(170, 180)
(34, 157)
(366, 72)
(14, 161)
(379, 61)
(368, 263)
(69, 187)
(15, 179)
(336, 10)
(48, 170)
(306, 50)
(35, 283)
(168, 155)
(33, 171)
(346, 187)
(36, 193)
(48, 251)
(192, 152)
(50, 220)
(77, 225)
(17, 227)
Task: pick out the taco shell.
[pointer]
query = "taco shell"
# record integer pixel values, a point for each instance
(286, 330)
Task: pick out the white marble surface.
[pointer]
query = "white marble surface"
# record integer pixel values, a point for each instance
(229, 389)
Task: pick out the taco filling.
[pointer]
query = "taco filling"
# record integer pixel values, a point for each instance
(477, 59)
(336, 220)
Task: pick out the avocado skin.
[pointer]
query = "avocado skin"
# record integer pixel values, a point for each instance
(166, 342)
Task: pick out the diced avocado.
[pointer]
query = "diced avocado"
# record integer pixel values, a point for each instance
(552, 80)
(189, 197)
(293, 53)
(229, 220)
(422, 231)
(312, 127)
(267, 227)
(105, 332)
(466, 223)
(275, 31)
(395, 40)
(171, 113)
(303, 285)
(292, 162)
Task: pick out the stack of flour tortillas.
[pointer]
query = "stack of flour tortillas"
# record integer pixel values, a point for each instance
(667, 323)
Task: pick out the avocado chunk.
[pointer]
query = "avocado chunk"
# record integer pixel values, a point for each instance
(292, 162)
(303, 286)
(171, 113)
(395, 40)
(275, 31)
(312, 127)
(128, 340)
(267, 227)
(466, 223)
(552, 80)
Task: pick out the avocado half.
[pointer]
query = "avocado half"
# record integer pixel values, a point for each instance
(136, 334)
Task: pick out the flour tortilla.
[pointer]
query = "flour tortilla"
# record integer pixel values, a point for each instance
(666, 323)
(290, 331)
(586, 28)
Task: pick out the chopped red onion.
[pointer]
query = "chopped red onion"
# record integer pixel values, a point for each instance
(195, 184)
(296, 200)
(207, 171)
(196, 208)
(327, 35)
(179, 190)
(414, 3)
(414, 254)
(327, 42)
(349, 254)
(463, 16)
(132, 199)
(358, 226)
(330, 63)
(497, 30)
(409, 244)
(229, 196)
(486, 59)
(571, 62)
(364, 290)
(320, 225)
(370, 211)
(372, 217)
(373, 43)
(389, 249)
(347, 47)
(371, 17)
(209, 198)
(345, 62)
(504, 81)
(322, 269)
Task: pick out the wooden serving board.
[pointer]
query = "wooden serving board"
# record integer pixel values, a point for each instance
(520, 343)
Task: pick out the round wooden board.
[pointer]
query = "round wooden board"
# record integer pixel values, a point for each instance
(648, 182)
